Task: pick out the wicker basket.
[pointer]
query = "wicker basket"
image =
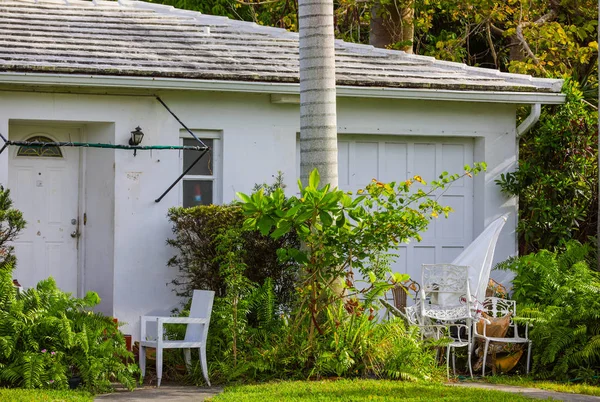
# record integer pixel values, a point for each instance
(399, 293)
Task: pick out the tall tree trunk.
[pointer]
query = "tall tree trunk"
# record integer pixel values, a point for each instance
(393, 23)
(318, 120)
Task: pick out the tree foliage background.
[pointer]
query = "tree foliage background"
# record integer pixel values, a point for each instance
(544, 38)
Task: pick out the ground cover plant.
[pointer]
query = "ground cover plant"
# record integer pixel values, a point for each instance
(48, 337)
(360, 390)
(37, 395)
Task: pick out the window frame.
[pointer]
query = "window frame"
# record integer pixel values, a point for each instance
(216, 177)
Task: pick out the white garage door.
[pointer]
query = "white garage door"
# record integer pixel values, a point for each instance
(385, 158)
(388, 159)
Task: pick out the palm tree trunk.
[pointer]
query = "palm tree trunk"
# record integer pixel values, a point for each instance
(318, 121)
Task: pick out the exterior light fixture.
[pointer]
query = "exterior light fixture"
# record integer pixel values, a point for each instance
(136, 138)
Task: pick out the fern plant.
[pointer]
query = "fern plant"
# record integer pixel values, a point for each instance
(560, 295)
(47, 336)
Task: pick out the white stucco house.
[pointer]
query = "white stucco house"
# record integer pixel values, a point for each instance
(91, 71)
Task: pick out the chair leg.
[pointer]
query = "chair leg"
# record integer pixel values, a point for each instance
(203, 364)
(142, 358)
(159, 365)
(485, 349)
(469, 352)
(448, 362)
(528, 355)
(454, 361)
(187, 357)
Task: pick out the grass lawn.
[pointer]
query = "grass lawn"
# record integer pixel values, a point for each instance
(548, 385)
(39, 395)
(359, 390)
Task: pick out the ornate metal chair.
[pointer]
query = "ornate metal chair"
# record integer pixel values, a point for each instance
(496, 307)
(445, 300)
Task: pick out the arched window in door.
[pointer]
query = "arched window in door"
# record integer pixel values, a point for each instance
(50, 151)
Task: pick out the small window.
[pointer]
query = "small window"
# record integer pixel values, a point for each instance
(200, 183)
(50, 151)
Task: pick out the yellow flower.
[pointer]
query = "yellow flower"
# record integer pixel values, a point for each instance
(408, 182)
(434, 214)
(418, 178)
(360, 191)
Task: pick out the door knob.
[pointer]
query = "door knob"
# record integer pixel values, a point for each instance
(75, 234)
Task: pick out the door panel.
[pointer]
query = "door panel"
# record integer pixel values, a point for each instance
(46, 190)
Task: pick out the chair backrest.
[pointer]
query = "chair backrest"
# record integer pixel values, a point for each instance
(497, 307)
(202, 302)
(445, 284)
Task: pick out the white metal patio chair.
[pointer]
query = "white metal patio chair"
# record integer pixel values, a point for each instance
(428, 330)
(195, 334)
(445, 299)
(496, 307)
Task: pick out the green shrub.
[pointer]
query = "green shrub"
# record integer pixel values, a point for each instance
(195, 238)
(560, 295)
(47, 336)
(557, 178)
(342, 235)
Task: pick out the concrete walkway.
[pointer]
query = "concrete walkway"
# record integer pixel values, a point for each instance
(165, 393)
(531, 392)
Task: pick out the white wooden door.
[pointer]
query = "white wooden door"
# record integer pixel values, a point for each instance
(362, 158)
(45, 187)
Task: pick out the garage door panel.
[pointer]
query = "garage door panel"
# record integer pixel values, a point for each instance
(401, 262)
(424, 161)
(450, 253)
(421, 255)
(430, 235)
(453, 227)
(453, 161)
(367, 168)
(344, 164)
(395, 163)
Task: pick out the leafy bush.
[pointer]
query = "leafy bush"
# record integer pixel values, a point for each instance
(557, 178)
(330, 331)
(47, 336)
(341, 235)
(11, 222)
(196, 231)
(561, 296)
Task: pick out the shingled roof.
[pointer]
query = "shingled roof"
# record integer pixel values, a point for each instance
(138, 39)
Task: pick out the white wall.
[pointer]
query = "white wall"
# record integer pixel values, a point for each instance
(99, 208)
(259, 138)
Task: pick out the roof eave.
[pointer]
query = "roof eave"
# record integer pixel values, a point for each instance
(160, 83)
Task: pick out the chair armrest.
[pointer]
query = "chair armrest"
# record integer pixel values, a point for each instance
(182, 320)
(174, 320)
(166, 320)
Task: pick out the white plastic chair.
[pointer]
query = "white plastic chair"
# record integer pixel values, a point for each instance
(496, 307)
(195, 334)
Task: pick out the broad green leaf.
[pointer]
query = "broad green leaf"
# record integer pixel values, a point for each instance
(314, 179)
(264, 225)
(243, 197)
(326, 218)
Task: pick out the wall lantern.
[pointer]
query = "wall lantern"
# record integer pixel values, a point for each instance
(136, 138)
